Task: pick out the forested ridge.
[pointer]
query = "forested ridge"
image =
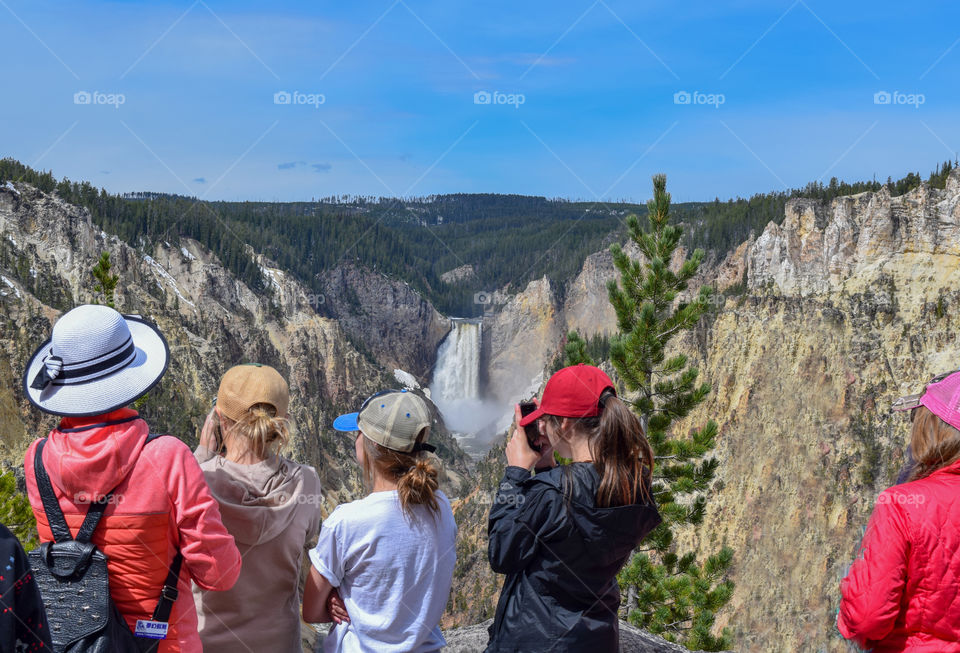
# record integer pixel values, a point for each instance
(507, 239)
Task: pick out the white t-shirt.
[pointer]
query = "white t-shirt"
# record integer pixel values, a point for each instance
(394, 573)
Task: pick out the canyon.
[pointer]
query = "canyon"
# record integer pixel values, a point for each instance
(819, 323)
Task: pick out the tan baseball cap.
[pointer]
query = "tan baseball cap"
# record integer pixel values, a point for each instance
(393, 418)
(246, 385)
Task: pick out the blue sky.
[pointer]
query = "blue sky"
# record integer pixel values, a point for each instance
(383, 95)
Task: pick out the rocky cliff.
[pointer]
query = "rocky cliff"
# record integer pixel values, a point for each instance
(385, 317)
(211, 320)
(846, 307)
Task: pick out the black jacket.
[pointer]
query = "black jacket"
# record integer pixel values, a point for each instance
(23, 620)
(561, 555)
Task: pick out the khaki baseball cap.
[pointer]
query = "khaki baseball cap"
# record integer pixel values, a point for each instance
(246, 385)
(393, 418)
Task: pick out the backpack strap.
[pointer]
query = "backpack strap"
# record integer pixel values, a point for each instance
(51, 506)
(169, 593)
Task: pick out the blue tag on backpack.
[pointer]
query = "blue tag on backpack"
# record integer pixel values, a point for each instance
(151, 629)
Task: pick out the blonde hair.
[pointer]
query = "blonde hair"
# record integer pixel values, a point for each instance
(416, 477)
(933, 443)
(260, 429)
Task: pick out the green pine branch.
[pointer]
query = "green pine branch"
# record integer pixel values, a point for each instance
(106, 282)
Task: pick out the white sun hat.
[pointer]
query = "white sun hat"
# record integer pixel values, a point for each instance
(95, 362)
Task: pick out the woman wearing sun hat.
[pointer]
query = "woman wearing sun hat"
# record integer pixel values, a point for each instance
(271, 506)
(95, 364)
(391, 554)
(901, 592)
(562, 535)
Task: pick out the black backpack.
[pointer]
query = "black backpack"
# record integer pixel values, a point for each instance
(72, 576)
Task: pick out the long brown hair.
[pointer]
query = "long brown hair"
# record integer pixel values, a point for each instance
(416, 477)
(933, 443)
(621, 454)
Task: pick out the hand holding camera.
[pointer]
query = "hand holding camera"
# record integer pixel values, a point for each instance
(211, 436)
(528, 447)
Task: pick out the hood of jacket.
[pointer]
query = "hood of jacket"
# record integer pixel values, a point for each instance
(258, 501)
(91, 456)
(614, 532)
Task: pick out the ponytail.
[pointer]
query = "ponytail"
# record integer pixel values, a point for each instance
(263, 430)
(416, 476)
(621, 454)
(417, 486)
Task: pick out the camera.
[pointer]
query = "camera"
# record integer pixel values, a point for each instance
(532, 430)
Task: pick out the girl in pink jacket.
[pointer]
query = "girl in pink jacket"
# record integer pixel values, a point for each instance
(901, 593)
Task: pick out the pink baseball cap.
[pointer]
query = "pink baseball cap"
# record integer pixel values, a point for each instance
(942, 397)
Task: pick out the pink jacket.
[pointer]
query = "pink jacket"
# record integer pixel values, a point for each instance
(160, 503)
(901, 594)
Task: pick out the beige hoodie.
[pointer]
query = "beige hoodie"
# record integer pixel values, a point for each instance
(272, 509)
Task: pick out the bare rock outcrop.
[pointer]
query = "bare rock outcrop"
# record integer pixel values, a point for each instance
(858, 239)
(520, 340)
(397, 326)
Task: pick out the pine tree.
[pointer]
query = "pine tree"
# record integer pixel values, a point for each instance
(106, 283)
(668, 593)
(15, 512)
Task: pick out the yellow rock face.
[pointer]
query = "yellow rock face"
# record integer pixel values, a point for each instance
(840, 318)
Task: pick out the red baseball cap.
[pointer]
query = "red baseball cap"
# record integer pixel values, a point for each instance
(572, 392)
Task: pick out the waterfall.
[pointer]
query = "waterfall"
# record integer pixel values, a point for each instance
(455, 387)
(457, 374)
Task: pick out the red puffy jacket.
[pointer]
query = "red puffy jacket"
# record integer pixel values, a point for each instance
(903, 592)
(160, 503)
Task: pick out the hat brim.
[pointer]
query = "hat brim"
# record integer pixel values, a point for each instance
(107, 393)
(532, 417)
(347, 423)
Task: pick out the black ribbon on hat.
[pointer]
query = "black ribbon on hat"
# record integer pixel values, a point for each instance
(53, 372)
(423, 446)
(51, 368)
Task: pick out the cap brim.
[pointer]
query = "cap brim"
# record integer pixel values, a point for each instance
(110, 392)
(908, 402)
(532, 417)
(347, 423)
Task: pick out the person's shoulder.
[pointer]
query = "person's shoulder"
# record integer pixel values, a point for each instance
(167, 452)
(907, 498)
(157, 443)
(311, 480)
(368, 509)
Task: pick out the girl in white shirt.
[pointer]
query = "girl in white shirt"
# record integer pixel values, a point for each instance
(390, 555)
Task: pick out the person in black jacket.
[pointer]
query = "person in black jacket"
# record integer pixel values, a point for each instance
(562, 535)
(23, 620)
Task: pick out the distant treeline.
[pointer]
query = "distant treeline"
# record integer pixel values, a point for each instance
(508, 239)
(722, 226)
